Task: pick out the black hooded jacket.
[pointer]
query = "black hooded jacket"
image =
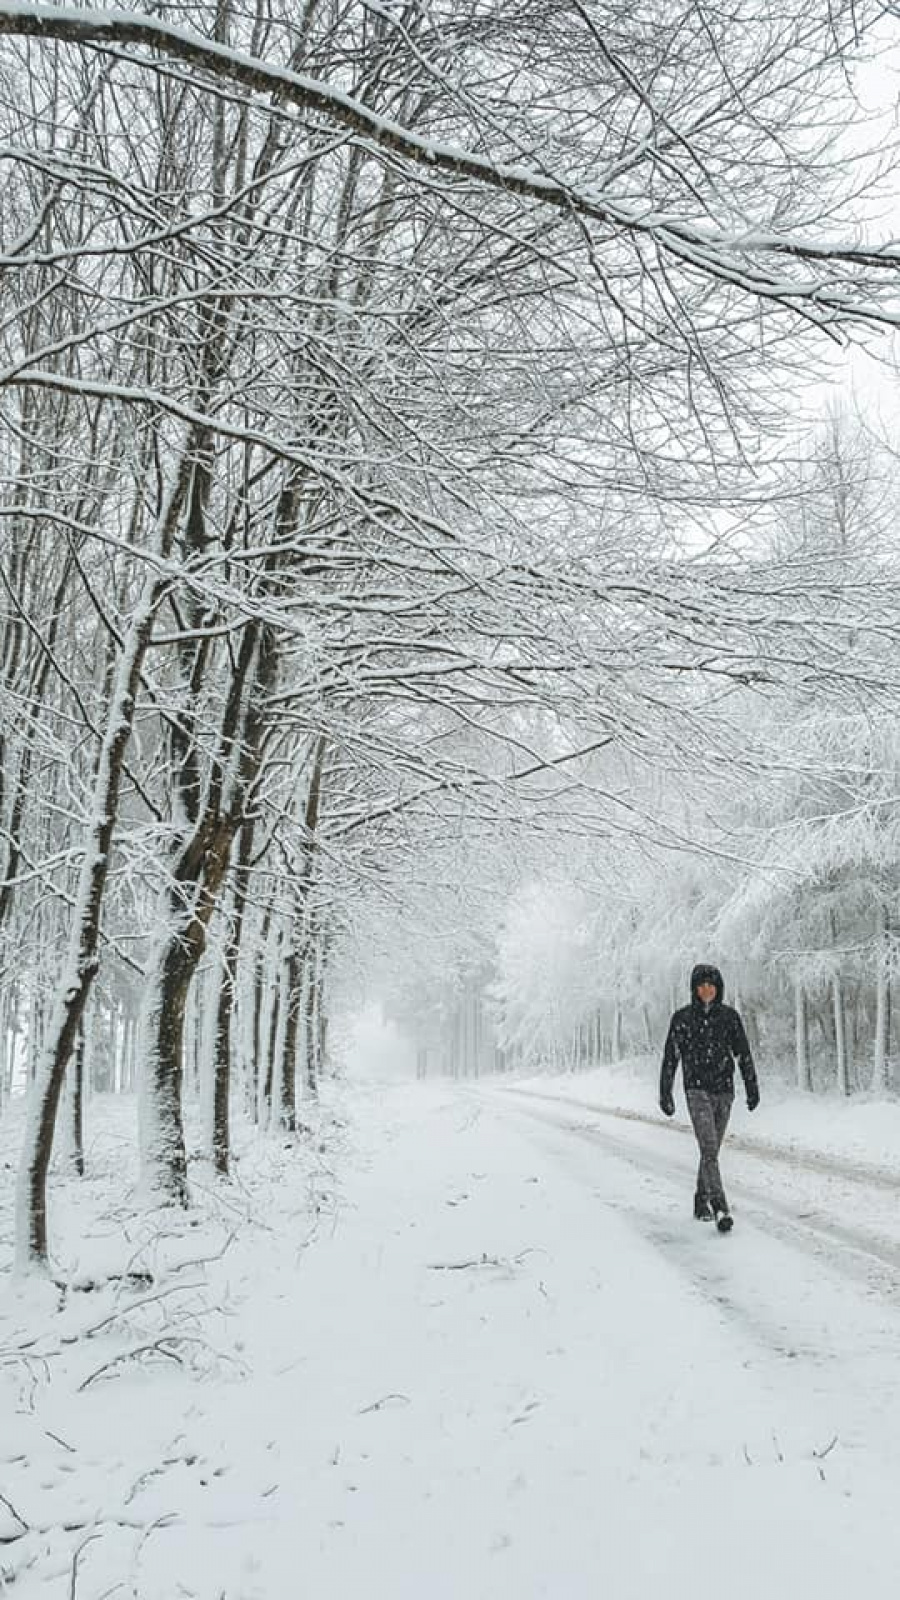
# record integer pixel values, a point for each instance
(707, 1040)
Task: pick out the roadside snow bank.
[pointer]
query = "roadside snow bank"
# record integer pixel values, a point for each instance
(860, 1130)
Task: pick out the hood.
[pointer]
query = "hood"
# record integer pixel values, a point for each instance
(708, 974)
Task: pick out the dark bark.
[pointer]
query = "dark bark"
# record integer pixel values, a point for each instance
(271, 1047)
(221, 1133)
(225, 1009)
(321, 1015)
(309, 1011)
(259, 984)
(201, 872)
(76, 1107)
(197, 880)
(308, 982)
(83, 945)
(82, 960)
(293, 992)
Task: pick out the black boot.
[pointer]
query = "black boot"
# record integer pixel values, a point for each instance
(702, 1209)
(724, 1219)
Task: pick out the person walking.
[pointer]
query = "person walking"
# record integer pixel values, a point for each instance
(707, 1038)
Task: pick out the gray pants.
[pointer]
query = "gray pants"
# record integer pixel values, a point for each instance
(709, 1115)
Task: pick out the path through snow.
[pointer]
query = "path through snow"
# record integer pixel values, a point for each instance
(510, 1367)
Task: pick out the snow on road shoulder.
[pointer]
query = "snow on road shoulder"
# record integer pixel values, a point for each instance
(862, 1130)
(476, 1379)
(103, 1371)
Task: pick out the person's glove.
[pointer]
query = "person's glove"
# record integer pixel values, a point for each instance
(667, 1106)
(752, 1099)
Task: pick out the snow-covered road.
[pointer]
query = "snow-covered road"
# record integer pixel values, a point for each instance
(846, 1213)
(803, 1299)
(513, 1367)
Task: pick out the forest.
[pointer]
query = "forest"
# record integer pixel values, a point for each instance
(448, 546)
(449, 592)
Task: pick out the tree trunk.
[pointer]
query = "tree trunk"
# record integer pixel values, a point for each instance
(203, 865)
(270, 986)
(309, 1014)
(881, 1071)
(221, 1133)
(617, 1034)
(801, 1037)
(274, 1087)
(196, 883)
(322, 1018)
(131, 1049)
(221, 1130)
(292, 1003)
(262, 1011)
(72, 1130)
(82, 959)
(840, 1035)
(163, 1153)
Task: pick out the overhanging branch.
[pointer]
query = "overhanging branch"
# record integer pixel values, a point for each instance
(753, 262)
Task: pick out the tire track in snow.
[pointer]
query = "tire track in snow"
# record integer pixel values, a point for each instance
(861, 1254)
(784, 1298)
(781, 1155)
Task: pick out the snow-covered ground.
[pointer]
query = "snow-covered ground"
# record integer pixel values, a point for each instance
(470, 1347)
(862, 1130)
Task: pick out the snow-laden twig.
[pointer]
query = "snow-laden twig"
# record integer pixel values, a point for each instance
(483, 1260)
(159, 1347)
(463, 1266)
(17, 1527)
(821, 1454)
(386, 1400)
(73, 1579)
(57, 1440)
(124, 1311)
(753, 260)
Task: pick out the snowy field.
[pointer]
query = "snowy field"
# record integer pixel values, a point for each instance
(468, 1345)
